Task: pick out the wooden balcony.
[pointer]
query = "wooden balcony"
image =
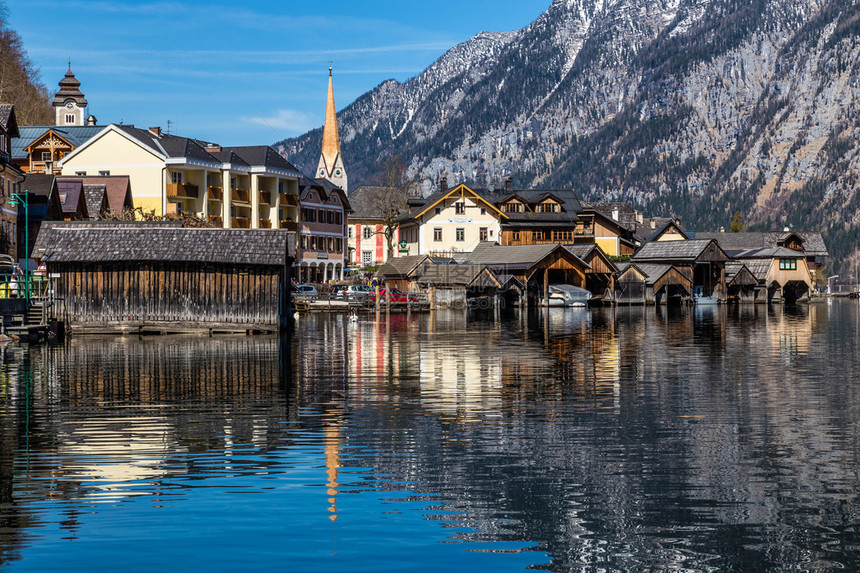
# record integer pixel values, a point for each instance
(215, 193)
(288, 200)
(265, 223)
(289, 225)
(240, 196)
(265, 198)
(182, 190)
(240, 223)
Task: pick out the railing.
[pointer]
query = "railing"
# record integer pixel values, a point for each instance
(185, 190)
(288, 200)
(240, 222)
(240, 196)
(215, 193)
(15, 286)
(583, 233)
(265, 197)
(289, 225)
(265, 223)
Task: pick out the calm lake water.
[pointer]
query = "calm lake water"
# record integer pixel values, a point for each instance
(635, 439)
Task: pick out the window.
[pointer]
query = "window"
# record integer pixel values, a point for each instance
(788, 264)
(313, 243)
(548, 207)
(70, 118)
(338, 244)
(330, 244)
(537, 235)
(460, 234)
(329, 217)
(304, 241)
(366, 258)
(563, 236)
(460, 208)
(482, 233)
(46, 156)
(104, 173)
(438, 210)
(513, 207)
(367, 232)
(80, 173)
(483, 211)
(515, 235)
(177, 176)
(338, 218)
(437, 234)
(349, 232)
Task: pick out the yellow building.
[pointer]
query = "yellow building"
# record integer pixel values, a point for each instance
(236, 187)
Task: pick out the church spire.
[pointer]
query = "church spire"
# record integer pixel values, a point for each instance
(331, 163)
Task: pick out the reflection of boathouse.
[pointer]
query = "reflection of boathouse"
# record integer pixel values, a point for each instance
(159, 277)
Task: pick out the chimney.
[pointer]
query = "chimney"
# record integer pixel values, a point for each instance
(443, 185)
(508, 183)
(213, 148)
(156, 131)
(653, 223)
(722, 229)
(785, 229)
(615, 214)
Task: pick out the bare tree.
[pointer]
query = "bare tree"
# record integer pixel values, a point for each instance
(390, 197)
(19, 78)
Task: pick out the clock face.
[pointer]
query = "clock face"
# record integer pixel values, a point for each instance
(70, 106)
(337, 173)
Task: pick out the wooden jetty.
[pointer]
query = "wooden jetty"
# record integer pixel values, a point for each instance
(136, 278)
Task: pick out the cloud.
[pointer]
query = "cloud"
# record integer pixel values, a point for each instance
(287, 122)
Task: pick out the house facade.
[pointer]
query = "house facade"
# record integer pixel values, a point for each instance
(367, 243)
(234, 187)
(321, 251)
(11, 177)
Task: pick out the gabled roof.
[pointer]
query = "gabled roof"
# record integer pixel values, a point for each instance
(8, 123)
(410, 266)
(117, 189)
(455, 275)
(71, 192)
(627, 216)
(768, 253)
(669, 224)
(136, 242)
(813, 242)
(674, 251)
(73, 135)
(325, 188)
(41, 184)
(515, 256)
(437, 198)
(737, 270)
(95, 198)
(654, 272)
(586, 251)
(568, 198)
(263, 156)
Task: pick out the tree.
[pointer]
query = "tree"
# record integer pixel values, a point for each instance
(19, 78)
(390, 198)
(737, 223)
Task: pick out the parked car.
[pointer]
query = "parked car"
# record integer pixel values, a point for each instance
(305, 291)
(354, 292)
(394, 295)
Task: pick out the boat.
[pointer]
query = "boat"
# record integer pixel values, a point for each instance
(699, 297)
(568, 296)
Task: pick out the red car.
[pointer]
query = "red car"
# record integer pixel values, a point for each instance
(396, 296)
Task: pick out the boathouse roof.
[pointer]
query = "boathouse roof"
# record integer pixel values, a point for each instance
(458, 275)
(680, 251)
(515, 256)
(813, 242)
(161, 242)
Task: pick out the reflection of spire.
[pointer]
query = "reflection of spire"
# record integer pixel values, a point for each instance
(332, 464)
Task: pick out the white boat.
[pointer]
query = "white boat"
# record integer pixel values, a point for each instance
(567, 295)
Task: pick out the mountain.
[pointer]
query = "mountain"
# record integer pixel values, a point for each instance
(691, 108)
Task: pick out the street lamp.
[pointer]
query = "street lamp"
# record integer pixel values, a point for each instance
(21, 199)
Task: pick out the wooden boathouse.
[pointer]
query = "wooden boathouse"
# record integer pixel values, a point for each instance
(139, 277)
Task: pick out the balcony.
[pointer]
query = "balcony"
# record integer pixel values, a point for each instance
(265, 197)
(288, 200)
(265, 224)
(289, 225)
(240, 196)
(215, 193)
(182, 190)
(240, 223)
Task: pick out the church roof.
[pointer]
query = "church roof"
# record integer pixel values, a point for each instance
(70, 89)
(331, 138)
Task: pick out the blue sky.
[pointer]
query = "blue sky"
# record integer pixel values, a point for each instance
(243, 73)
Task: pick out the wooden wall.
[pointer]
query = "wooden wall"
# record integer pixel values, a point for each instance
(172, 297)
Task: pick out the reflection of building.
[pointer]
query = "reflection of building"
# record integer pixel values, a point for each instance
(10, 179)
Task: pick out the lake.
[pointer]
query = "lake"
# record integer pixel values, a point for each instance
(682, 439)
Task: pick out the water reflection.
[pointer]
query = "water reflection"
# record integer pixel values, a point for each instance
(703, 438)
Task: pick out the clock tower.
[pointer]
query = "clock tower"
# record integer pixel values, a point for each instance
(331, 161)
(69, 103)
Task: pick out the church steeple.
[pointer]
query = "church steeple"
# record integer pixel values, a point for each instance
(69, 103)
(331, 162)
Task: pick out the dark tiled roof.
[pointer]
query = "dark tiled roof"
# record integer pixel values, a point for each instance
(39, 184)
(172, 145)
(6, 111)
(451, 275)
(567, 197)
(227, 155)
(263, 156)
(95, 198)
(627, 216)
(160, 243)
(813, 242)
(71, 193)
(409, 266)
(653, 271)
(659, 251)
(769, 253)
(117, 189)
(519, 256)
